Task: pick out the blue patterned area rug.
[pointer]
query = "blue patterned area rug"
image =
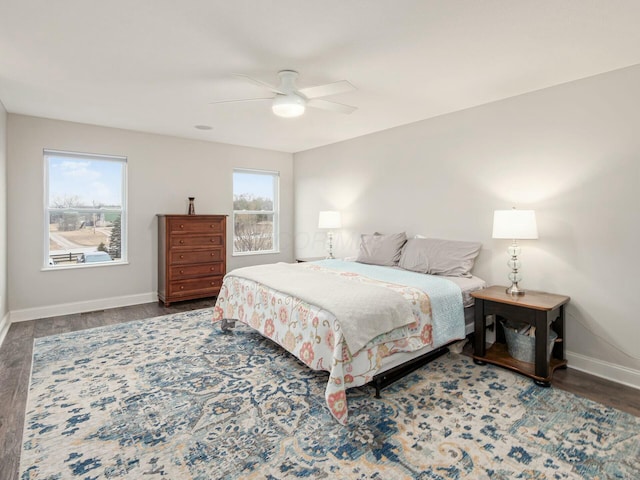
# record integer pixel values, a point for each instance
(175, 398)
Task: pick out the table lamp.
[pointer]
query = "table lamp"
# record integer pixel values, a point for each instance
(329, 220)
(516, 225)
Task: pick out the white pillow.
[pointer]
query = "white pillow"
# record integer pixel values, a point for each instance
(380, 249)
(439, 257)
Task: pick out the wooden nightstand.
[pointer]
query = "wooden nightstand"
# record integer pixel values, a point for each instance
(542, 310)
(309, 259)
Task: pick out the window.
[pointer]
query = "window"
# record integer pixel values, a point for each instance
(255, 211)
(85, 209)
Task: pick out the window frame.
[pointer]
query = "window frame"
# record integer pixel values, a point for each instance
(123, 211)
(275, 212)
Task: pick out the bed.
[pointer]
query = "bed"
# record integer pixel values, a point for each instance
(359, 321)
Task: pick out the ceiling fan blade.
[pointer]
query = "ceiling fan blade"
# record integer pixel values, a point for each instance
(255, 81)
(242, 100)
(331, 106)
(334, 88)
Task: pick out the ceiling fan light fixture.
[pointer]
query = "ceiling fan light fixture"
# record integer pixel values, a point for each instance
(288, 106)
(291, 102)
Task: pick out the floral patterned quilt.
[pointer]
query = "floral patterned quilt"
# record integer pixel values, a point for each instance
(314, 335)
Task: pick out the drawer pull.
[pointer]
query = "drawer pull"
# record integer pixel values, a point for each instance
(213, 283)
(181, 242)
(181, 226)
(213, 269)
(213, 254)
(213, 240)
(181, 272)
(181, 256)
(181, 287)
(213, 226)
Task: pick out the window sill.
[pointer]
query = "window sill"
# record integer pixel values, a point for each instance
(82, 265)
(248, 254)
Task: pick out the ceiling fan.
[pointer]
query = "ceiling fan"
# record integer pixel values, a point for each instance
(290, 101)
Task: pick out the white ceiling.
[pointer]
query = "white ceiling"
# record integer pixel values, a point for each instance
(155, 65)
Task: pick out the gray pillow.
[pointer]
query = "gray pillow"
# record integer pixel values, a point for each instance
(439, 257)
(380, 249)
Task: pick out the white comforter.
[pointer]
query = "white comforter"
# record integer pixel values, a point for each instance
(364, 310)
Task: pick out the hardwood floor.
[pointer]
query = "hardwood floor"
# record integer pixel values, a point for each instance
(16, 353)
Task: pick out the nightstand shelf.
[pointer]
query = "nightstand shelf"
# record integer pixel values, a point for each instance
(498, 354)
(542, 310)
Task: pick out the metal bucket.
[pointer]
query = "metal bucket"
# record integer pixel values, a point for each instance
(523, 347)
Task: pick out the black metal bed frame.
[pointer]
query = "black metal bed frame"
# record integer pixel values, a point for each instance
(394, 374)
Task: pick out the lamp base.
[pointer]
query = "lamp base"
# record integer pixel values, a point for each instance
(514, 276)
(514, 290)
(330, 250)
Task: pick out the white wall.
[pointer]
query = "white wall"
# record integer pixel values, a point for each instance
(162, 172)
(4, 307)
(570, 152)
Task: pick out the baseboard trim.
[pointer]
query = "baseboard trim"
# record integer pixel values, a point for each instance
(4, 327)
(80, 307)
(600, 368)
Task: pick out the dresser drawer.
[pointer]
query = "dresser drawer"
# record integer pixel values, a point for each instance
(195, 285)
(186, 271)
(195, 240)
(177, 257)
(197, 225)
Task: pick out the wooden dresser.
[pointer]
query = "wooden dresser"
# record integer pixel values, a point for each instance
(191, 256)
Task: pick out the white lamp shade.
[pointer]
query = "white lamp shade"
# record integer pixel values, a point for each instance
(329, 219)
(515, 224)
